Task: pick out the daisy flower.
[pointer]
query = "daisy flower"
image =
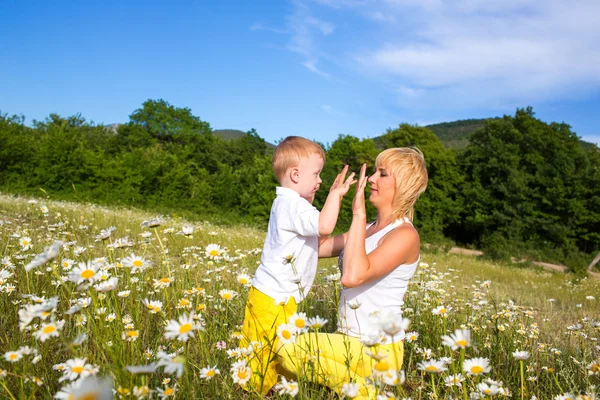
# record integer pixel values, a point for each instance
(167, 391)
(182, 329)
(75, 369)
(386, 396)
(299, 321)
(212, 251)
(187, 231)
(392, 323)
(520, 355)
(412, 336)
(441, 310)
(209, 372)
(108, 285)
(454, 380)
(162, 283)
(227, 294)
(477, 366)
(488, 389)
(136, 263)
(171, 363)
(153, 306)
(48, 330)
(459, 339)
(594, 368)
(13, 356)
(286, 333)
(87, 388)
(240, 372)
(350, 390)
(25, 243)
(566, 396)
(287, 387)
(316, 322)
(432, 366)
(84, 272)
(244, 279)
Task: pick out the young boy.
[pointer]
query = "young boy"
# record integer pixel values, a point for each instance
(289, 258)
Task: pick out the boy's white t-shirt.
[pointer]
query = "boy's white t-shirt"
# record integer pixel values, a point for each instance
(293, 232)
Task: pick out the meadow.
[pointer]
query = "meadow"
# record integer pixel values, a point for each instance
(97, 302)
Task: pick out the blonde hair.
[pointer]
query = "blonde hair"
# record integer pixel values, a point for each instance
(407, 166)
(290, 151)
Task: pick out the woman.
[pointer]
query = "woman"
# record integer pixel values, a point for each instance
(376, 265)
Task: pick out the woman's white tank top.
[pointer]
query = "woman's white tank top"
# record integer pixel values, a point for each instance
(385, 293)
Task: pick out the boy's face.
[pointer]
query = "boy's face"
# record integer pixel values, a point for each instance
(309, 180)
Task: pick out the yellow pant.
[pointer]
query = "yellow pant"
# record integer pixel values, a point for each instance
(332, 359)
(261, 320)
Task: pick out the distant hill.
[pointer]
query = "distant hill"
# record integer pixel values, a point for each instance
(456, 135)
(228, 134)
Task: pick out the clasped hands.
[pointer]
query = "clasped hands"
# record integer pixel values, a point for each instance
(341, 185)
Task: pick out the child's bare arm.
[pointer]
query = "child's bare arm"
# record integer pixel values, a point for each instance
(331, 208)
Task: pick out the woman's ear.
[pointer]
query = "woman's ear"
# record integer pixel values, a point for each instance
(294, 174)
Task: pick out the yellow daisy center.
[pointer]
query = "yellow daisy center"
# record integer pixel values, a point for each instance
(595, 368)
(461, 343)
(227, 296)
(137, 263)
(169, 391)
(185, 328)
(286, 334)
(201, 307)
(477, 369)
(49, 329)
(133, 333)
(243, 281)
(210, 373)
(214, 252)
(164, 280)
(65, 264)
(382, 366)
(242, 373)
(78, 369)
(431, 368)
(90, 396)
(25, 242)
(184, 302)
(299, 323)
(87, 274)
(13, 356)
(442, 310)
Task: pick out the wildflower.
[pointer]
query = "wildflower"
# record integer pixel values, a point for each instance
(13, 356)
(394, 378)
(488, 389)
(454, 380)
(25, 243)
(244, 279)
(287, 333)
(143, 369)
(187, 231)
(392, 323)
(172, 364)
(459, 339)
(108, 285)
(105, 234)
(566, 396)
(87, 388)
(182, 329)
(208, 372)
(520, 355)
(432, 366)
(162, 283)
(136, 263)
(594, 368)
(153, 306)
(316, 322)
(227, 294)
(75, 369)
(386, 396)
(167, 391)
(221, 345)
(48, 330)
(84, 272)
(212, 251)
(412, 336)
(141, 391)
(353, 304)
(131, 335)
(441, 310)
(477, 366)
(240, 372)
(48, 254)
(350, 390)
(152, 223)
(287, 387)
(298, 320)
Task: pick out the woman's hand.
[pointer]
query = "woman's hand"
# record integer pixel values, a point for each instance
(358, 204)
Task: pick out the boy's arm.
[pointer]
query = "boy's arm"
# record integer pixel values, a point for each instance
(332, 246)
(331, 208)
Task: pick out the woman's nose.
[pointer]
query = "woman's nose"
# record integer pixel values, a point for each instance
(371, 178)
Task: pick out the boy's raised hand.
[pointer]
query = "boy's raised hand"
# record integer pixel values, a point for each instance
(341, 184)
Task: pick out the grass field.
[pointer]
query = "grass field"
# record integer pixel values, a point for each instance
(116, 298)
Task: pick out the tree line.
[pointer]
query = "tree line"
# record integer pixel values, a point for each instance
(521, 188)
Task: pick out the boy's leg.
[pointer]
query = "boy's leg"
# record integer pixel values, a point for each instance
(261, 320)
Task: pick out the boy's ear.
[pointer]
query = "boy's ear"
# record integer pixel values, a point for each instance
(294, 175)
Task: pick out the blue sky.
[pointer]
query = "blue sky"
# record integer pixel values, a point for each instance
(315, 68)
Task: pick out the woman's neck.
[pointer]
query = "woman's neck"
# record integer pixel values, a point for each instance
(384, 218)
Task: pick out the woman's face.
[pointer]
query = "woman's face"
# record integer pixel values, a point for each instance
(383, 187)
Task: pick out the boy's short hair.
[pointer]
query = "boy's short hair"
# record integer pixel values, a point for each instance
(290, 151)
